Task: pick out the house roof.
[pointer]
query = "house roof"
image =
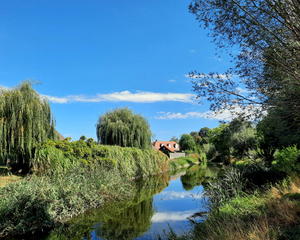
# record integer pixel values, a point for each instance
(166, 147)
(60, 136)
(169, 144)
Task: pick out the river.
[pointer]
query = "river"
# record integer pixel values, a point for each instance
(159, 202)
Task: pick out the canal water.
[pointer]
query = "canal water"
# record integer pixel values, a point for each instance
(159, 202)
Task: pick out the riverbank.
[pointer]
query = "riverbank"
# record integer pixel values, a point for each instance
(270, 211)
(70, 178)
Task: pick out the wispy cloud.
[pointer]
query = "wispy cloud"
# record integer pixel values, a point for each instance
(171, 80)
(172, 115)
(242, 90)
(126, 96)
(222, 76)
(193, 50)
(221, 115)
(172, 216)
(172, 195)
(216, 58)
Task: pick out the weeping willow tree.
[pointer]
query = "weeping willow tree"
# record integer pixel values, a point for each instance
(25, 120)
(122, 127)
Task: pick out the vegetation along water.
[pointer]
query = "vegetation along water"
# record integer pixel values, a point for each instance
(257, 196)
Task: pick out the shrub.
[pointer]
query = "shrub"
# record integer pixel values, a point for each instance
(52, 159)
(287, 160)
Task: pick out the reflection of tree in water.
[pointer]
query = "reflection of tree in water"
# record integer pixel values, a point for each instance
(196, 175)
(130, 224)
(130, 218)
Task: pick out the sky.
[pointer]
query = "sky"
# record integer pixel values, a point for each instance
(91, 56)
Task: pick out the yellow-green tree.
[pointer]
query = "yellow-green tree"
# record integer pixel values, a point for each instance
(25, 120)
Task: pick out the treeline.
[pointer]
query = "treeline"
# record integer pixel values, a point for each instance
(240, 140)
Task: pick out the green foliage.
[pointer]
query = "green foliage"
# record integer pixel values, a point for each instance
(229, 185)
(276, 130)
(122, 127)
(120, 219)
(209, 150)
(131, 162)
(174, 139)
(39, 203)
(174, 165)
(83, 138)
(288, 160)
(187, 142)
(134, 162)
(196, 175)
(52, 159)
(26, 120)
(186, 160)
(194, 134)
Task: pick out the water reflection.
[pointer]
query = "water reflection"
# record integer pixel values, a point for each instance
(197, 175)
(157, 203)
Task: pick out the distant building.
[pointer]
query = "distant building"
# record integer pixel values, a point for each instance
(166, 145)
(172, 149)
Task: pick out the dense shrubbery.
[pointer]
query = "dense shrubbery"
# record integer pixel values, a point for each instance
(130, 162)
(287, 160)
(69, 178)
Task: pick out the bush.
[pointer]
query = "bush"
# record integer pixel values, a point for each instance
(131, 162)
(52, 159)
(287, 160)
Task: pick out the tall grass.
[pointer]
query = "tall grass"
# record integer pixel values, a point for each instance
(38, 203)
(268, 213)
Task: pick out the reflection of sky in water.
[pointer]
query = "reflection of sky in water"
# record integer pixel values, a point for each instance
(173, 206)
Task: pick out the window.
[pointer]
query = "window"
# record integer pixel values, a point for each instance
(169, 145)
(162, 145)
(175, 146)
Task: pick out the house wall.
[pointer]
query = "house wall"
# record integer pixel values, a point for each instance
(177, 155)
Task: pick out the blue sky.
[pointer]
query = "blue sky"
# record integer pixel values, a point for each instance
(94, 55)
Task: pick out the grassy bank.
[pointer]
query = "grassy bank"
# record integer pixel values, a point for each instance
(68, 179)
(181, 162)
(273, 214)
(252, 202)
(38, 203)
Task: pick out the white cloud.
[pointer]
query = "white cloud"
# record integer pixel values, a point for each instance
(170, 115)
(242, 90)
(171, 80)
(221, 115)
(193, 50)
(216, 58)
(172, 195)
(126, 96)
(222, 76)
(172, 216)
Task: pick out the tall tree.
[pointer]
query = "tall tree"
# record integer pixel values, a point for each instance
(121, 126)
(174, 139)
(187, 142)
(26, 119)
(267, 32)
